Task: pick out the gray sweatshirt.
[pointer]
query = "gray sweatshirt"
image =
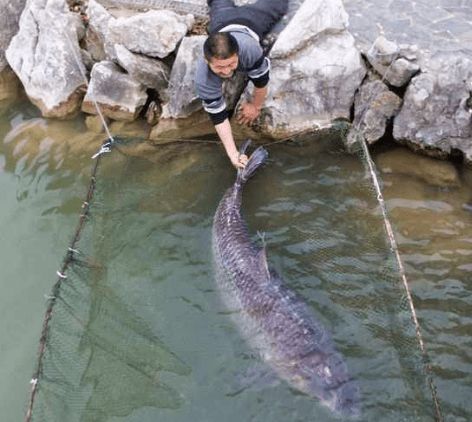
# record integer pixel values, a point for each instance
(251, 61)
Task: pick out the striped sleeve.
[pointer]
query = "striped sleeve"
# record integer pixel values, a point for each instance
(216, 109)
(259, 73)
(208, 88)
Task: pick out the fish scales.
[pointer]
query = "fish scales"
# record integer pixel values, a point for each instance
(274, 320)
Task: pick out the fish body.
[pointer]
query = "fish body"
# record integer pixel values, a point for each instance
(273, 319)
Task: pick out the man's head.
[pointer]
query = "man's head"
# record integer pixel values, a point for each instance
(221, 54)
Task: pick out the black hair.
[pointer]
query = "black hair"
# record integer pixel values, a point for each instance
(220, 45)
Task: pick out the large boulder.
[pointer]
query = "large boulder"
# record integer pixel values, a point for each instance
(396, 64)
(117, 94)
(316, 70)
(9, 16)
(155, 33)
(151, 73)
(374, 106)
(437, 109)
(180, 98)
(45, 54)
(97, 31)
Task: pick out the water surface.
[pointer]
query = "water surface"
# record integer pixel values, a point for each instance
(140, 333)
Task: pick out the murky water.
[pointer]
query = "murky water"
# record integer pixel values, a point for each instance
(152, 229)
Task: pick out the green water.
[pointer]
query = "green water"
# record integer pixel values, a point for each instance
(149, 339)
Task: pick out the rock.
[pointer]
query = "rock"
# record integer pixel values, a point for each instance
(118, 95)
(97, 32)
(180, 99)
(435, 116)
(314, 19)
(153, 113)
(94, 123)
(9, 86)
(428, 170)
(375, 104)
(316, 83)
(194, 126)
(137, 129)
(154, 33)
(396, 64)
(149, 72)
(45, 54)
(9, 16)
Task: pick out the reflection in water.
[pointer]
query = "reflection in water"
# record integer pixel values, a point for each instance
(137, 333)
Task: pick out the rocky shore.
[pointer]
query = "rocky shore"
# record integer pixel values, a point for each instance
(391, 69)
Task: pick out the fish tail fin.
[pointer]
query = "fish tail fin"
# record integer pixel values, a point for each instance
(257, 158)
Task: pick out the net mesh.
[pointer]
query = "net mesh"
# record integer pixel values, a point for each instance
(135, 331)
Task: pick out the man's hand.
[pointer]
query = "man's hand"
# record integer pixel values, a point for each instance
(239, 160)
(247, 113)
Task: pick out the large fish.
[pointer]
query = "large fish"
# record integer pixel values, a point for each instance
(273, 319)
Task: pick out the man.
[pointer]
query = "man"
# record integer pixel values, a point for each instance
(234, 44)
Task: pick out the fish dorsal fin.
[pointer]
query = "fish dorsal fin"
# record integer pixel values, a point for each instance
(262, 261)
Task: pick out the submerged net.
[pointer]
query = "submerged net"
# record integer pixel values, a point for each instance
(134, 330)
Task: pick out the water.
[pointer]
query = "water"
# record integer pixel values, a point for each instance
(158, 344)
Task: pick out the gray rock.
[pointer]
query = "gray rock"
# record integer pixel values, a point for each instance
(151, 73)
(428, 170)
(45, 54)
(117, 94)
(180, 99)
(435, 115)
(396, 64)
(155, 33)
(97, 30)
(316, 83)
(374, 105)
(9, 16)
(314, 19)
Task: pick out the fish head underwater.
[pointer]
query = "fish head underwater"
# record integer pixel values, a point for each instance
(325, 377)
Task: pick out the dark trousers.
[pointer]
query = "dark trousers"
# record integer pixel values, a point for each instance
(260, 16)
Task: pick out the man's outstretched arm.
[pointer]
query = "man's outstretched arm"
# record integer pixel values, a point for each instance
(225, 133)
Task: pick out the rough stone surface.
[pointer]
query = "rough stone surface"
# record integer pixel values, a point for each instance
(45, 55)
(194, 126)
(118, 95)
(396, 64)
(429, 170)
(180, 99)
(437, 114)
(316, 83)
(373, 107)
(9, 16)
(94, 123)
(151, 73)
(9, 86)
(155, 33)
(314, 19)
(97, 30)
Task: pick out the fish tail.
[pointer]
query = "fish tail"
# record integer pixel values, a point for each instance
(257, 158)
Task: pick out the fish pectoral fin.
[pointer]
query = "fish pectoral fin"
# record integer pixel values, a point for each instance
(262, 260)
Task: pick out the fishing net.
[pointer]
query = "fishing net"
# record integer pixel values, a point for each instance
(135, 330)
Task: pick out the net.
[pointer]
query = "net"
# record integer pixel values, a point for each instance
(135, 330)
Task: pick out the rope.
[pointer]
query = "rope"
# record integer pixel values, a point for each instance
(71, 250)
(395, 250)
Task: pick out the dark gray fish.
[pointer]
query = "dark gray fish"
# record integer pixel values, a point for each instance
(273, 319)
